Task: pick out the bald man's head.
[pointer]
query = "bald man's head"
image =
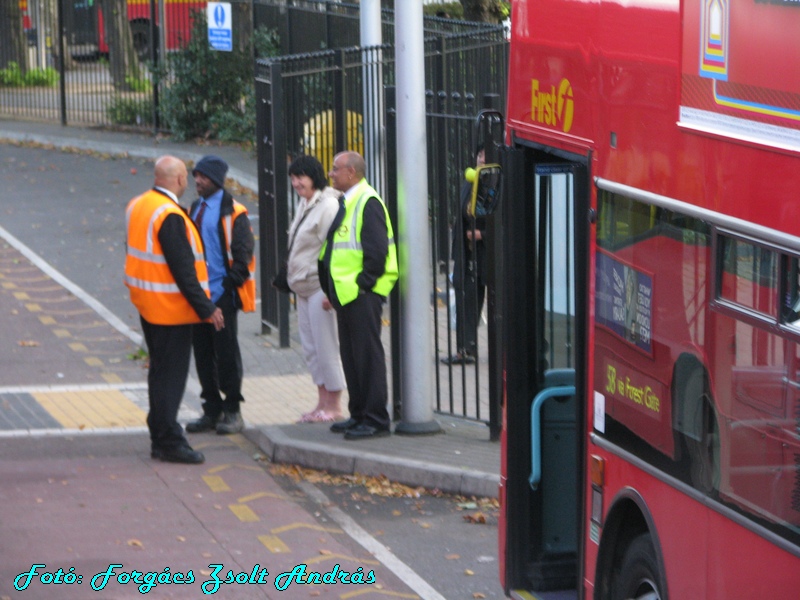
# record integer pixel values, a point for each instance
(171, 174)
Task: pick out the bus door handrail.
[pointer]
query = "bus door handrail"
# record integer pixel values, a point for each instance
(552, 377)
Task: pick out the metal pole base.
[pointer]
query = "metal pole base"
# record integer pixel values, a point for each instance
(429, 428)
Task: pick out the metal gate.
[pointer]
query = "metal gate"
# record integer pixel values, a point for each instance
(316, 103)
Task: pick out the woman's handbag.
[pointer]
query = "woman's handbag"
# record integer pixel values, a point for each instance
(279, 282)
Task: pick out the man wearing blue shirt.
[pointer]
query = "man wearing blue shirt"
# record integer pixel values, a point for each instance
(228, 243)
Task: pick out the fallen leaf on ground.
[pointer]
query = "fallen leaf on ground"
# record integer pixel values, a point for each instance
(477, 517)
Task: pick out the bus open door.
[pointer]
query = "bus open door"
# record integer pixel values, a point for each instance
(546, 220)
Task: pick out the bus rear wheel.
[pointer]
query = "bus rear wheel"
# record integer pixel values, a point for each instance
(639, 577)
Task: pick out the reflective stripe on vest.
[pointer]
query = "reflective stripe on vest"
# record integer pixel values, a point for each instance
(347, 256)
(152, 287)
(246, 291)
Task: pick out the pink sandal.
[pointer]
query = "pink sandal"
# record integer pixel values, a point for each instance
(317, 416)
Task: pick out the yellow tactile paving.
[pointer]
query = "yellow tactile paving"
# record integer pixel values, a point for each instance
(92, 409)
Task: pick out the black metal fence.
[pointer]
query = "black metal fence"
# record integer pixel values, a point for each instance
(323, 102)
(106, 77)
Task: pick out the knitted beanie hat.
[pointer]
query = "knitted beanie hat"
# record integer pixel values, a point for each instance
(212, 167)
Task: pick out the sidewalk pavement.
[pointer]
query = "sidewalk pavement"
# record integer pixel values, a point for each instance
(277, 386)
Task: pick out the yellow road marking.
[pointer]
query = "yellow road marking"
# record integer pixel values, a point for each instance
(216, 483)
(21, 296)
(78, 347)
(257, 495)
(286, 528)
(33, 307)
(324, 557)
(93, 362)
(244, 513)
(47, 320)
(233, 466)
(274, 544)
(111, 377)
(62, 333)
(379, 593)
(9, 285)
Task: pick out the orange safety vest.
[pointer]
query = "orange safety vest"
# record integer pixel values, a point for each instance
(152, 287)
(247, 291)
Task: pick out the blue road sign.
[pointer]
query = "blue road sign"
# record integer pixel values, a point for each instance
(220, 31)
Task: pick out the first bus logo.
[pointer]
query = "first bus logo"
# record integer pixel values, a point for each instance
(553, 107)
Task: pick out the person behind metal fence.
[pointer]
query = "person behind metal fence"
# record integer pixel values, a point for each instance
(319, 335)
(358, 269)
(469, 273)
(228, 241)
(166, 275)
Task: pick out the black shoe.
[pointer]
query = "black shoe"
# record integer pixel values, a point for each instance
(364, 431)
(342, 426)
(181, 454)
(459, 359)
(230, 423)
(204, 423)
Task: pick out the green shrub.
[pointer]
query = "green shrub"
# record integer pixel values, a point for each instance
(454, 10)
(47, 77)
(138, 85)
(12, 76)
(130, 111)
(211, 94)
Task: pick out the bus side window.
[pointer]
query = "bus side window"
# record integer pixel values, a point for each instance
(791, 309)
(749, 276)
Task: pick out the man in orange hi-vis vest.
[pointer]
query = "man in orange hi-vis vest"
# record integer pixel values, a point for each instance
(166, 275)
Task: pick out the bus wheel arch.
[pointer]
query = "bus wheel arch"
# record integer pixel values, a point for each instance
(695, 424)
(629, 552)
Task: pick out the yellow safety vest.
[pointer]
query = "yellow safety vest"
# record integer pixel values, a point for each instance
(152, 287)
(247, 291)
(347, 255)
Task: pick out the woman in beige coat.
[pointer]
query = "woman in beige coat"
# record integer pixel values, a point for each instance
(317, 325)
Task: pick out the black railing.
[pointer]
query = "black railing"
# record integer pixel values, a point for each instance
(323, 102)
(89, 82)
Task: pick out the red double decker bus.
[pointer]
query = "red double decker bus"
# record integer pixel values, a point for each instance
(650, 338)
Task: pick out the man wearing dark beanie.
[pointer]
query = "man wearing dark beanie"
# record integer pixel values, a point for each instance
(228, 243)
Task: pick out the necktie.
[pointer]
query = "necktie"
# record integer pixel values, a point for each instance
(198, 219)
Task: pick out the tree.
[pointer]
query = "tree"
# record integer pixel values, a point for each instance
(123, 60)
(489, 11)
(13, 45)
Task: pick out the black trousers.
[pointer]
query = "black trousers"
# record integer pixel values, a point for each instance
(364, 360)
(170, 349)
(470, 294)
(218, 360)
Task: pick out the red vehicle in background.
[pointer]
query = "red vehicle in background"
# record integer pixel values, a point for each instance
(85, 28)
(177, 15)
(650, 306)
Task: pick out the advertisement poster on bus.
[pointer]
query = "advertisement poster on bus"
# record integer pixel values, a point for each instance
(738, 79)
(624, 298)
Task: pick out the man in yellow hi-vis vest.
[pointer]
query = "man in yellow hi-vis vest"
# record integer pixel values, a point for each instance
(358, 269)
(166, 275)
